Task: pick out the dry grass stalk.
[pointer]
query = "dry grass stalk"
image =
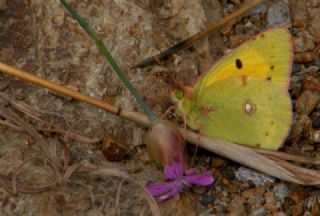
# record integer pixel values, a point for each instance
(264, 161)
(45, 126)
(62, 172)
(269, 162)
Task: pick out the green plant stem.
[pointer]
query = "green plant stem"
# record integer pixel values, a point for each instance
(104, 51)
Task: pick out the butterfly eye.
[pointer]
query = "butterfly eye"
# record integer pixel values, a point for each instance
(179, 94)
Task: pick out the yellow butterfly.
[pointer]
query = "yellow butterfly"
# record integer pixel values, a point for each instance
(244, 97)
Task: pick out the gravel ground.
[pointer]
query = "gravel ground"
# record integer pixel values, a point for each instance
(39, 37)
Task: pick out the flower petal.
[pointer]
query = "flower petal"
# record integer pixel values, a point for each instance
(202, 179)
(160, 188)
(174, 171)
(169, 195)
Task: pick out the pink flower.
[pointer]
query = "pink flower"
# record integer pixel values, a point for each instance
(177, 180)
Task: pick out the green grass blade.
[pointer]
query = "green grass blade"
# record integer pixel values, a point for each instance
(104, 51)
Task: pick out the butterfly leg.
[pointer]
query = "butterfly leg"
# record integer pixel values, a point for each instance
(168, 111)
(197, 144)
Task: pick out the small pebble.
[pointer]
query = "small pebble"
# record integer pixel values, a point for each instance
(296, 68)
(296, 196)
(300, 16)
(278, 15)
(261, 8)
(281, 191)
(302, 124)
(314, 20)
(315, 136)
(219, 162)
(229, 174)
(205, 200)
(260, 212)
(304, 57)
(311, 69)
(308, 42)
(298, 44)
(236, 207)
(297, 210)
(258, 179)
(270, 201)
(307, 101)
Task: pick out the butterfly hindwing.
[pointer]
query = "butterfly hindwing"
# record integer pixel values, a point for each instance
(243, 110)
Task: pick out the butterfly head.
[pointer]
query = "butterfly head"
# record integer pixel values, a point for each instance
(182, 98)
(177, 96)
(184, 93)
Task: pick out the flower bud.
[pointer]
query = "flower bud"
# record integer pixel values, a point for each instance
(165, 144)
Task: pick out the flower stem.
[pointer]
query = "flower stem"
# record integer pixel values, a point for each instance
(104, 51)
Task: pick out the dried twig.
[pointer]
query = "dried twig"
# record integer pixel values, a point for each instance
(132, 116)
(93, 169)
(48, 126)
(17, 120)
(289, 157)
(62, 173)
(118, 196)
(189, 41)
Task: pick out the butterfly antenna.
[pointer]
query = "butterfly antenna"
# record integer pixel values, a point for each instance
(172, 81)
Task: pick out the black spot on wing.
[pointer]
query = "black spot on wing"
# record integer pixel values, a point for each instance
(238, 64)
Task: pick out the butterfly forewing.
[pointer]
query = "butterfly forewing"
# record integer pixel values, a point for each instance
(266, 56)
